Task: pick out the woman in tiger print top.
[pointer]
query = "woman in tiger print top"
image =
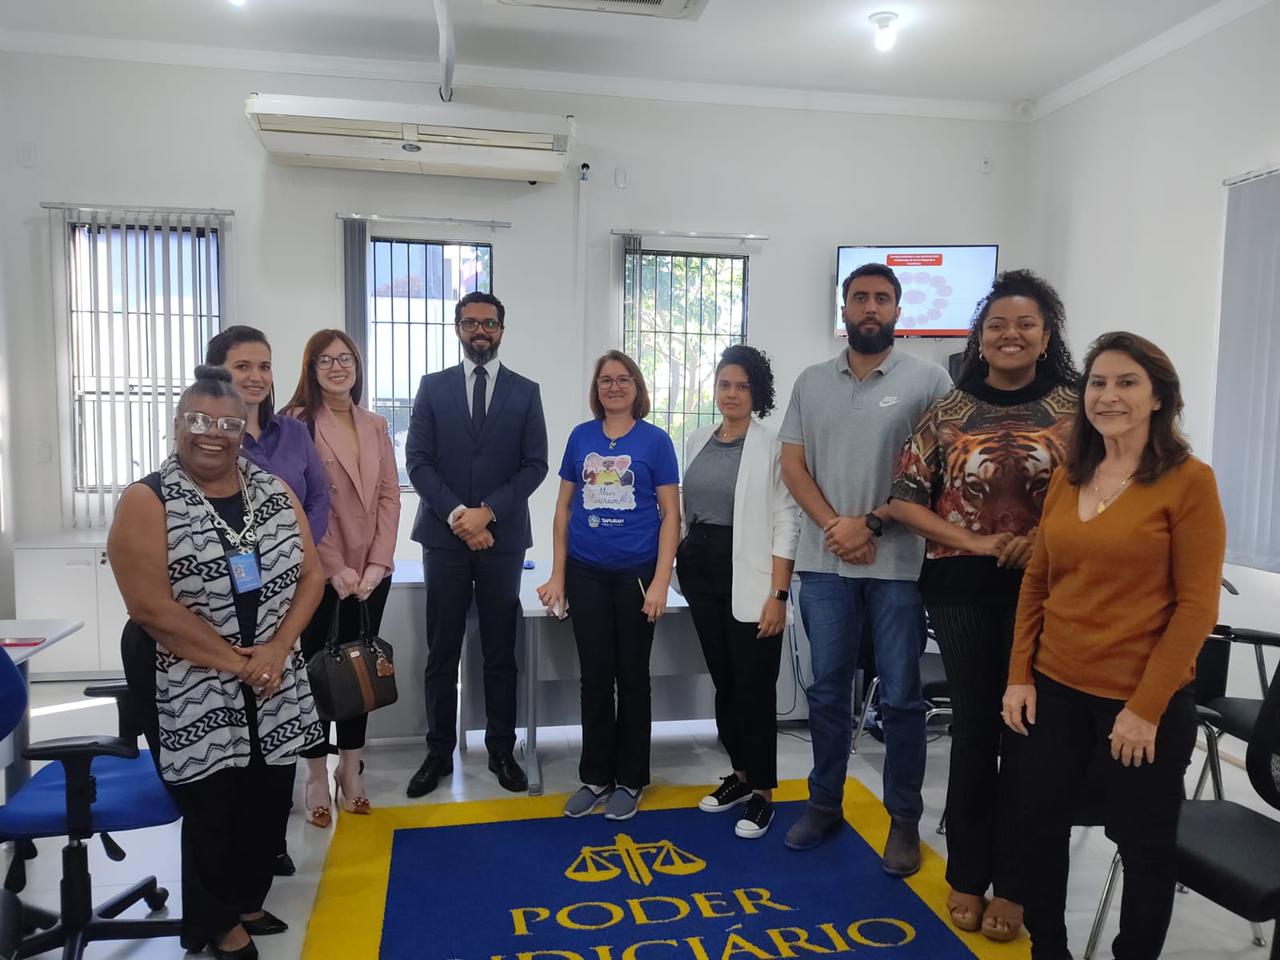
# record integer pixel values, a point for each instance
(972, 480)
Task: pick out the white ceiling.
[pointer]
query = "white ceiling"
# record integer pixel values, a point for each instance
(990, 51)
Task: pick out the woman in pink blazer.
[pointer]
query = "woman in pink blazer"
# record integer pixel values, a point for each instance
(356, 550)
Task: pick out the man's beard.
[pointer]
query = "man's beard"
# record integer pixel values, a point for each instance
(877, 342)
(479, 357)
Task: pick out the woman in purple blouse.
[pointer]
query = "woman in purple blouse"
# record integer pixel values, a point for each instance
(277, 444)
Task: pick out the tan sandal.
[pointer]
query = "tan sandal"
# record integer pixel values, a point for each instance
(966, 910)
(1002, 920)
(358, 805)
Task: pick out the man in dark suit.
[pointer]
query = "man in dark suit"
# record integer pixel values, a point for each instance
(477, 450)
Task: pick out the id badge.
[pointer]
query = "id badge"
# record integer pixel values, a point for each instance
(245, 575)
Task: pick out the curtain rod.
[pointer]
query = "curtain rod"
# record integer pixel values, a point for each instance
(690, 234)
(1251, 175)
(451, 221)
(114, 208)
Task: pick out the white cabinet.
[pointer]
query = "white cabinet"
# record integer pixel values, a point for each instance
(68, 576)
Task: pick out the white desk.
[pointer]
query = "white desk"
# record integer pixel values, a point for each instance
(14, 638)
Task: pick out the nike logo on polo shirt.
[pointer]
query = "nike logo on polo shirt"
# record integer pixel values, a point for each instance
(888, 401)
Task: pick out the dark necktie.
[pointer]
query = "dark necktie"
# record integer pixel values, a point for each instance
(477, 400)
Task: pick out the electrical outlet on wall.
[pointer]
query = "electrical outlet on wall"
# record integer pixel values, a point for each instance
(25, 156)
(984, 166)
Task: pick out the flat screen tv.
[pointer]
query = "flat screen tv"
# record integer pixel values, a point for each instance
(941, 285)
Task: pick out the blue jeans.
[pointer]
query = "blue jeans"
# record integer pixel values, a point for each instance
(833, 608)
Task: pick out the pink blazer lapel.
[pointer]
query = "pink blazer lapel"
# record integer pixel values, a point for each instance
(367, 430)
(327, 428)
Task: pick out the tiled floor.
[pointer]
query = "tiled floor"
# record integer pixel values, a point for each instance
(683, 753)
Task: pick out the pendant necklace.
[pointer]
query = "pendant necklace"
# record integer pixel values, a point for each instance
(1105, 502)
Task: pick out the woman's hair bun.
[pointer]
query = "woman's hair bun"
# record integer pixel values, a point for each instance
(208, 372)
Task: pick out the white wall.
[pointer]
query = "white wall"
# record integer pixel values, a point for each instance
(143, 134)
(1127, 213)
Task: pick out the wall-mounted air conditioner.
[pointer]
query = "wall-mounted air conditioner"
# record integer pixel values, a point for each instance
(671, 9)
(447, 139)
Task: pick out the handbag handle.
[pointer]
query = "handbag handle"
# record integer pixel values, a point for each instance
(333, 642)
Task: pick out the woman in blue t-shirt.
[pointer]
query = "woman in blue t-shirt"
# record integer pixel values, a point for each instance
(616, 527)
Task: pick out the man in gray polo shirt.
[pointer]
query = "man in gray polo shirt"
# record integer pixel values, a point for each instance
(844, 428)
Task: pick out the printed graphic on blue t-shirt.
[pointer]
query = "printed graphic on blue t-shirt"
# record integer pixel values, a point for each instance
(614, 519)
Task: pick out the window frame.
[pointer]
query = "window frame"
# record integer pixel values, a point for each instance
(626, 337)
(371, 401)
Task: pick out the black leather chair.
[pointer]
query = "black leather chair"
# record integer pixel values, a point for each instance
(1227, 852)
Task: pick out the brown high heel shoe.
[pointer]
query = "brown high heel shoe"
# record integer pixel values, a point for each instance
(1002, 920)
(358, 805)
(320, 815)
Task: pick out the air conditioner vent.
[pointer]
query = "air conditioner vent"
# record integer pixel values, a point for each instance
(670, 9)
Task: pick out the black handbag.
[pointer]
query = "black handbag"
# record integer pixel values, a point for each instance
(352, 678)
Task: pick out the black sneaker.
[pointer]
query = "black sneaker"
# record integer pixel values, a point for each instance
(755, 819)
(730, 793)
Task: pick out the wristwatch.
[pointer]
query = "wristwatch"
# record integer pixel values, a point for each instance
(874, 524)
(780, 595)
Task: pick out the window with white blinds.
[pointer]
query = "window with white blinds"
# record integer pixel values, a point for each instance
(143, 295)
(1247, 408)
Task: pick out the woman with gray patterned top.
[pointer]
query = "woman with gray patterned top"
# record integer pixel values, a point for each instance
(218, 571)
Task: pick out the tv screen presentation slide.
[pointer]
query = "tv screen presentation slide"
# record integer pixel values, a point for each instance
(941, 286)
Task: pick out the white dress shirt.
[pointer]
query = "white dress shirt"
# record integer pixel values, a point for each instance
(469, 370)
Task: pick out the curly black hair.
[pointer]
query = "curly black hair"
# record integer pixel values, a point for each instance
(759, 375)
(1023, 283)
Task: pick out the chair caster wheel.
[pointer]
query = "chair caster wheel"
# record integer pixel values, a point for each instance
(156, 901)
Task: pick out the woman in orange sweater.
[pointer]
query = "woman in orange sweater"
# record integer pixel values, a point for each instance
(1120, 593)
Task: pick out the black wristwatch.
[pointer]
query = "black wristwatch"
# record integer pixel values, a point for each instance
(780, 595)
(874, 524)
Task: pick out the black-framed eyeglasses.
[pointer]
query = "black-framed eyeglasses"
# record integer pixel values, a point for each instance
(198, 422)
(345, 360)
(490, 325)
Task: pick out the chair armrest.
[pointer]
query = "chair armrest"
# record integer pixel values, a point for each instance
(111, 688)
(1262, 637)
(128, 724)
(73, 748)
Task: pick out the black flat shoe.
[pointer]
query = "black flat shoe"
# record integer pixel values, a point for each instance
(510, 776)
(248, 952)
(264, 926)
(429, 774)
(283, 866)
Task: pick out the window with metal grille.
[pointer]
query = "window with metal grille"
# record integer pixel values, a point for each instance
(413, 288)
(679, 312)
(143, 297)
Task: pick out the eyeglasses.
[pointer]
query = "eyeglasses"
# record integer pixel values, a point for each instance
(201, 422)
(325, 361)
(470, 326)
(608, 383)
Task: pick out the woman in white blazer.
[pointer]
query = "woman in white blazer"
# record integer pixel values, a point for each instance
(738, 545)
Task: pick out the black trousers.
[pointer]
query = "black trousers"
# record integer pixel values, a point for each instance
(350, 732)
(452, 576)
(614, 639)
(233, 821)
(743, 667)
(982, 783)
(1141, 807)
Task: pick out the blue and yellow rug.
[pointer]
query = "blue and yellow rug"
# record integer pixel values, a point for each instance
(516, 880)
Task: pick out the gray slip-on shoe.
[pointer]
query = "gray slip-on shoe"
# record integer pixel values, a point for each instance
(622, 805)
(585, 800)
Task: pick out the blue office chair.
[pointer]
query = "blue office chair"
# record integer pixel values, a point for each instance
(98, 785)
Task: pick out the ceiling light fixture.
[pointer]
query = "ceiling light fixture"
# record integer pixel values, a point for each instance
(237, 3)
(886, 24)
